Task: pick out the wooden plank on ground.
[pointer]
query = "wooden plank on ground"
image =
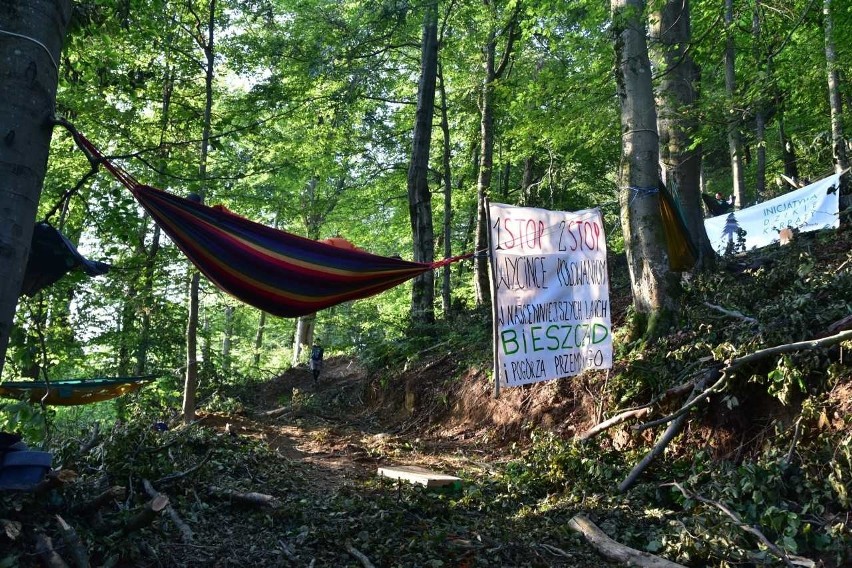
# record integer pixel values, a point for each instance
(421, 475)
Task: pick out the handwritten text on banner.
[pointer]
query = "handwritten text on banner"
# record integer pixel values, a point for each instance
(552, 293)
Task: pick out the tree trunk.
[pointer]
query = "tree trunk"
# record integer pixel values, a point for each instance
(760, 106)
(154, 249)
(304, 335)
(734, 138)
(654, 287)
(838, 142)
(314, 212)
(493, 72)
(147, 298)
(27, 100)
(483, 183)
(258, 339)
(227, 339)
(447, 177)
(788, 150)
(676, 101)
(191, 383)
(419, 198)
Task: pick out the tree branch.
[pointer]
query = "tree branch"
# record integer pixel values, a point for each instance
(773, 548)
(615, 551)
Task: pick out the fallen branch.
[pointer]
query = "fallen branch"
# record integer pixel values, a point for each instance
(147, 515)
(638, 411)
(745, 360)
(614, 421)
(615, 551)
(556, 551)
(108, 496)
(365, 562)
(44, 548)
(275, 413)
(186, 535)
(79, 554)
(91, 441)
(175, 476)
(247, 498)
(693, 401)
(672, 431)
(771, 546)
(841, 324)
(731, 313)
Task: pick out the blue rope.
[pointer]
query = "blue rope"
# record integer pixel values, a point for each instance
(642, 192)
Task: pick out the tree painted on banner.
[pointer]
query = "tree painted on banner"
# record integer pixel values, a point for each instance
(551, 287)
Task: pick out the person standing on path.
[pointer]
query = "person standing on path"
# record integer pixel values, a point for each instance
(315, 362)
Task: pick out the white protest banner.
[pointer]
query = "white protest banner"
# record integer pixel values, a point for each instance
(810, 208)
(551, 293)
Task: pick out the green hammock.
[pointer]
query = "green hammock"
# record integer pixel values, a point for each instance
(72, 392)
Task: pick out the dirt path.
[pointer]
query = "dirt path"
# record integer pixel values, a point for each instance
(328, 432)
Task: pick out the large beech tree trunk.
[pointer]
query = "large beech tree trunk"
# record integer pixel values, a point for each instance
(654, 287)
(27, 100)
(677, 118)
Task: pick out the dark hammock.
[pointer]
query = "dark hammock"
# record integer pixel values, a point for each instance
(273, 270)
(52, 256)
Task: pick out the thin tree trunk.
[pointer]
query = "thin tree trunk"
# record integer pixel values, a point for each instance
(226, 339)
(313, 216)
(483, 183)
(788, 150)
(147, 298)
(154, 249)
(258, 339)
(27, 100)
(191, 383)
(654, 287)
(734, 138)
(760, 106)
(838, 142)
(493, 72)
(419, 198)
(447, 177)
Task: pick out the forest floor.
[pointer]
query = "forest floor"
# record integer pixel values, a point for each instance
(287, 475)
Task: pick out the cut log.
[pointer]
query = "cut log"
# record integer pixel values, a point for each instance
(44, 548)
(247, 498)
(75, 547)
(102, 500)
(186, 535)
(615, 551)
(147, 515)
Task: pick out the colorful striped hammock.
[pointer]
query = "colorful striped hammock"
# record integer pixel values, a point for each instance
(71, 392)
(275, 271)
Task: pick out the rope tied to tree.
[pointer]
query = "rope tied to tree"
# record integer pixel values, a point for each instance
(35, 41)
(642, 192)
